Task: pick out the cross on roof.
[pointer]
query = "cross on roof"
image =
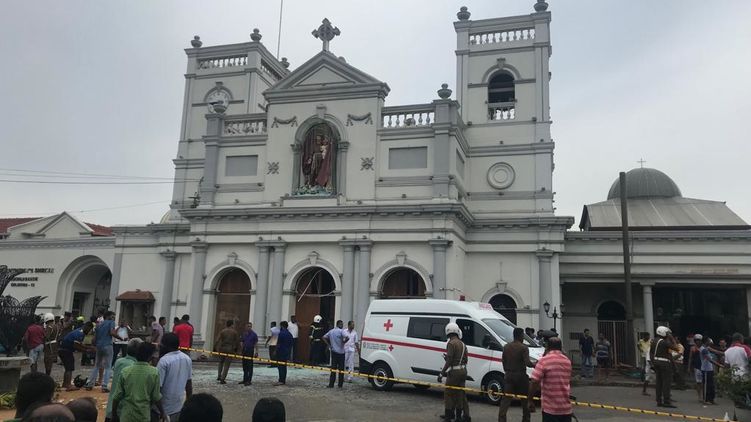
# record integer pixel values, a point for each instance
(326, 33)
(641, 162)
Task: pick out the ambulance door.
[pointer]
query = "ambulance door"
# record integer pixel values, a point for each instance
(425, 345)
(482, 359)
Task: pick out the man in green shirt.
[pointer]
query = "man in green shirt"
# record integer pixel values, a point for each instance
(137, 389)
(120, 364)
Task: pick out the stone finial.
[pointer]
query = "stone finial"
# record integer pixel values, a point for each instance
(285, 63)
(444, 92)
(256, 35)
(463, 14)
(541, 6)
(326, 32)
(196, 42)
(219, 107)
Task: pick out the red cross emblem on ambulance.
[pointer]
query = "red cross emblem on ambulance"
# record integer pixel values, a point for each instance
(388, 325)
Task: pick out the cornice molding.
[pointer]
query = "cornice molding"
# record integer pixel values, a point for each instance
(95, 242)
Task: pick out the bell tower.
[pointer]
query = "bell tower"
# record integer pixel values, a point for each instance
(503, 91)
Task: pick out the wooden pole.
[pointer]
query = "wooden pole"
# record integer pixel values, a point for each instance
(627, 274)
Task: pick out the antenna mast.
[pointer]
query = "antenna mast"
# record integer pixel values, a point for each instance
(279, 38)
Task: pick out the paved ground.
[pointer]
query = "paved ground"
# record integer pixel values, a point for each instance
(307, 399)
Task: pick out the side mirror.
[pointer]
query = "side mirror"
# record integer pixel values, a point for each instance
(494, 345)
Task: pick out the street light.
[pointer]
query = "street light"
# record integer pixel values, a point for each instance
(555, 316)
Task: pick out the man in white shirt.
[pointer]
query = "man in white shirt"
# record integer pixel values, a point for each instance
(295, 331)
(350, 347)
(175, 369)
(736, 356)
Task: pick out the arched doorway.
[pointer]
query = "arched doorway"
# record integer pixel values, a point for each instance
(402, 283)
(611, 321)
(504, 305)
(232, 300)
(314, 295)
(91, 290)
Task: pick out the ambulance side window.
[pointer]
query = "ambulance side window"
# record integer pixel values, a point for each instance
(427, 328)
(474, 334)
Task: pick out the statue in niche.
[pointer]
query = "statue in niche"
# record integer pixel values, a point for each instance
(318, 161)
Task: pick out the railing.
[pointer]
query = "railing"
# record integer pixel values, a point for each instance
(502, 111)
(270, 71)
(419, 115)
(255, 125)
(502, 36)
(223, 62)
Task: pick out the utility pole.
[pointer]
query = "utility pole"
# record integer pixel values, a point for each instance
(627, 273)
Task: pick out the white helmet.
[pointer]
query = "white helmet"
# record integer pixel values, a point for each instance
(452, 328)
(317, 319)
(48, 317)
(662, 331)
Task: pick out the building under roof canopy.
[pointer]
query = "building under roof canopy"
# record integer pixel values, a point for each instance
(655, 203)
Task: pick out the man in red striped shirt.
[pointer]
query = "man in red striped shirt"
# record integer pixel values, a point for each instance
(553, 373)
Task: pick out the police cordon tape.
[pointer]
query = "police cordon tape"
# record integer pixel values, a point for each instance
(467, 389)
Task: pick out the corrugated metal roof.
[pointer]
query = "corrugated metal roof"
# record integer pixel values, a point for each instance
(661, 214)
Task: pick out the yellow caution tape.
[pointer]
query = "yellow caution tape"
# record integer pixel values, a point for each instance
(451, 387)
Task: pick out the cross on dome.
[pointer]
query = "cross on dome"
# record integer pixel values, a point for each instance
(326, 32)
(641, 161)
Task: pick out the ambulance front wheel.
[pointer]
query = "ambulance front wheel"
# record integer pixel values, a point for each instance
(381, 379)
(493, 386)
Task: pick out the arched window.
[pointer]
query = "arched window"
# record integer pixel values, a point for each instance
(501, 97)
(402, 283)
(504, 305)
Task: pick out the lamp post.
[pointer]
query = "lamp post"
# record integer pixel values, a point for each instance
(555, 316)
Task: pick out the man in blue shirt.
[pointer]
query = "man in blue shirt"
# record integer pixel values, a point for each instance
(70, 343)
(707, 369)
(284, 345)
(103, 334)
(335, 339)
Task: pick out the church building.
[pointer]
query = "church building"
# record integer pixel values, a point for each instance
(300, 192)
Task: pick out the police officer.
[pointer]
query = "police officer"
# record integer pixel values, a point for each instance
(317, 348)
(662, 363)
(515, 363)
(455, 371)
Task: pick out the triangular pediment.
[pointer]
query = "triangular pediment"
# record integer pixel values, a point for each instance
(60, 226)
(325, 72)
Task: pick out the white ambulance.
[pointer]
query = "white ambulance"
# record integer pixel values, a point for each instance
(405, 339)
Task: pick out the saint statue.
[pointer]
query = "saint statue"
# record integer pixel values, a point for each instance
(317, 161)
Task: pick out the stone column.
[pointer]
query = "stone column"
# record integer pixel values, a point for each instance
(545, 285)
(649, 319)
(439, 267)
(167, 283)
(262, 288)
(363, 285)
(214, 126)
(196, 292)
(348, 280)
(117, 268)
(277, 284)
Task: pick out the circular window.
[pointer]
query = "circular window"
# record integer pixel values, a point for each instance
(501, 175)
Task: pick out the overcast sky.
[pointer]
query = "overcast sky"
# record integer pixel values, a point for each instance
(97, 87)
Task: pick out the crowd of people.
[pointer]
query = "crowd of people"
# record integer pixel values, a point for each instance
(666, 361)
(149, 377)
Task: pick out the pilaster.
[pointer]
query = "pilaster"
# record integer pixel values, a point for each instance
(196, 293)
(544, 258)
(439, 266)
(167, 283)
(262, 288)
(363, 283)
(348, 280)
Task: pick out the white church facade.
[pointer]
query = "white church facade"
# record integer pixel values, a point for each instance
(300, 192)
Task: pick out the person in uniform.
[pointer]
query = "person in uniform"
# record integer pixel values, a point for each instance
(662, 363)
(455, 370)
(515, 363)
(51, 334)
(317, 348)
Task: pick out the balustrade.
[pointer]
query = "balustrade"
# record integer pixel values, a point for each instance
(245, 127)
(502, 36)
(270, 71)
(223, 62)
(501, 111)
(408, 116)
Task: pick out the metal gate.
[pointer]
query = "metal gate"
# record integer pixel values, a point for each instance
(615, 332)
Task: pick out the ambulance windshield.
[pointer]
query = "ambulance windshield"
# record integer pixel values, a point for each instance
(505, 330)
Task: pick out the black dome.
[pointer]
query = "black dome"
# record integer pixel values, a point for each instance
(646, 183)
